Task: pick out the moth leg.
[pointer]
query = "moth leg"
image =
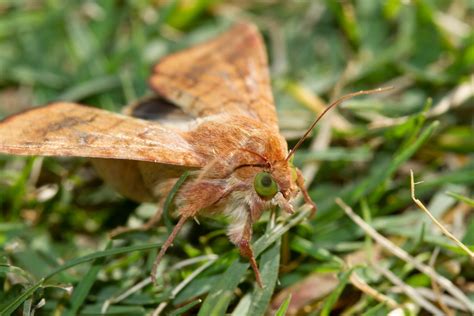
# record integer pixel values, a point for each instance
(306, 197)
(246, 249)
(196, 196)
(167, 244)
(150, 223)
(283, 203)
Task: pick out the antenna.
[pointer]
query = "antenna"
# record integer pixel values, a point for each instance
(335, 103)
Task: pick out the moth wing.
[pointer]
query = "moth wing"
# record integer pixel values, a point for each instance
(140, 181)
(228, 74)
(157, 109)
(68, 129)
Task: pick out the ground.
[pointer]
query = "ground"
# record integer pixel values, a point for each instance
(55, 214)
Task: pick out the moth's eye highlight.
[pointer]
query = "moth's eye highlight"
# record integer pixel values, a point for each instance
(264, 185)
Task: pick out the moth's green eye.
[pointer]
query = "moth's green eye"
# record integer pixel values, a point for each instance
(265, 185)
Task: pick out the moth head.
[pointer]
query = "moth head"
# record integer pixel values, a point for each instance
(276, 184)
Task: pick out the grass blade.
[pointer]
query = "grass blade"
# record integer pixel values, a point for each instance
(461, 198)
(102, 254)
(169, 200)
(82, 289)
(332, 299)
(15, 303)
(269, 265)
(7, 310)
(283, 307)
(185, 308)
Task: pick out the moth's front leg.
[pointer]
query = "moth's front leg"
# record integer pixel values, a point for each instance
(194, 197)
(240, 233)
(306, 197)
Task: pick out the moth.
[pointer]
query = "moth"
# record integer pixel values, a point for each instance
(212, 114)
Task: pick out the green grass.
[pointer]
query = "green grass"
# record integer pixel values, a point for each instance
(55, 214)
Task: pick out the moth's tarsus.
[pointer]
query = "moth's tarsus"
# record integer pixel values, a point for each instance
(246, 251)
(166, 245)
(254, 265)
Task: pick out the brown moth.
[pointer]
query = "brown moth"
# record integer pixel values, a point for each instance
(213, 114)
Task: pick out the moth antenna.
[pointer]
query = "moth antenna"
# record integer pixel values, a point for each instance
(333, 104)
(166, 245)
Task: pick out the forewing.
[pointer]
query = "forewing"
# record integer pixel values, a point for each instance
(227, 74)
(67, 129)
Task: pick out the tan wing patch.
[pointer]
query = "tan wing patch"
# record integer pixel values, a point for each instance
(67, 129)
(227, 74)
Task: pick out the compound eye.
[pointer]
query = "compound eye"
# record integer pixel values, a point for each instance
(264, 185)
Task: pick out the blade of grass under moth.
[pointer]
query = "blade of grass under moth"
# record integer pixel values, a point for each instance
(102, 254)
(332, 299)
(281, 311)
(84, 286)
(16, 302)
(185, 282)
(169, 200)
(185, 308)
(380, 309)
(219, 297)
(27, 305)
(196, 288)
(308, 248)
(243, 305)
(7, 310)
(269, 265)
(93, 310)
